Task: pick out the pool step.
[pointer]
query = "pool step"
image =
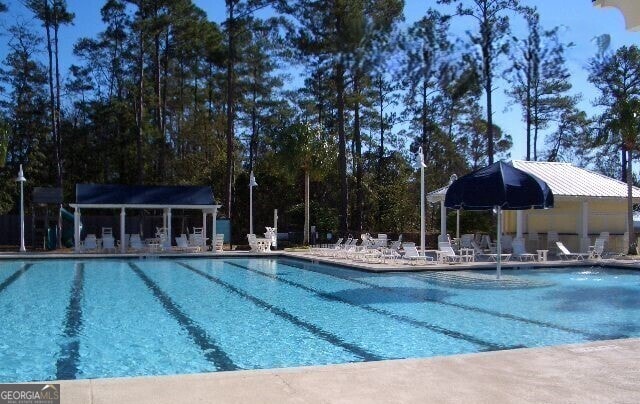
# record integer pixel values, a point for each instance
(475, 280)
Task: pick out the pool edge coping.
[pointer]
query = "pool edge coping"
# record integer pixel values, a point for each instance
(536, 372)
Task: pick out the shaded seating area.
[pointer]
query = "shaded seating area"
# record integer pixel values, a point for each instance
(127, 199)
(587, 206)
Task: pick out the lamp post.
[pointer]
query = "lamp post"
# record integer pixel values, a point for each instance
(21, 180)
(421, 165)
(252, 183)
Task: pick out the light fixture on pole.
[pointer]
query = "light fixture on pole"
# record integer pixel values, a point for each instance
(21, 180)
(421, 165)
(252, 183)
(452, 179)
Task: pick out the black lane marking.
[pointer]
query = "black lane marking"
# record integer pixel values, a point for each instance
(7, 282)
(586, 334)
(487, 345)
(67, 363)
(312, 328)
(209, 347)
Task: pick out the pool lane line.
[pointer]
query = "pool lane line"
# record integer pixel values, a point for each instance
(14, 276)
(312, 328)
(588, 335)
(485, 345)
(212, 352)
(67, 363)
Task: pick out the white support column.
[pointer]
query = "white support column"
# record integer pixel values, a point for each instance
(519, 221)
(583, 234)
(76, 230)
(275, 228)
(498, 243)
(169, 232)
(164, 218)
(214, 228)
(443, 222)
(123, 241)
(204, 229)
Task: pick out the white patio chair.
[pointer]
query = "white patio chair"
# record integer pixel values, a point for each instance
(197, 238)
(258, 245)
(219, 243)
(107, 231)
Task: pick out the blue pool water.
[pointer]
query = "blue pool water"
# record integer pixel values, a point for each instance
(78, 319)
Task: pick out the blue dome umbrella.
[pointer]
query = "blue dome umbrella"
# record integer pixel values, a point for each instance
(499, 186)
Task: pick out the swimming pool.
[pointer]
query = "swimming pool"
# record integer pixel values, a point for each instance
(78, 319)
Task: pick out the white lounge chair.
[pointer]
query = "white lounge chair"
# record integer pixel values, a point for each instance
(108, 243)
(479, 252)
(465, 241)
(395, 245)
(163, 237)
(90, 243)
(347, 251)
(323, 250)
(182, 244)
(135, 243)
(485, 243)
(446, 254)
(597, 250)
(519, 251)
(565, 253)
(390, 253)
(412, 255)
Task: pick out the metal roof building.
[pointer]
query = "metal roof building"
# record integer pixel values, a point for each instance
(587, 203)
(570, 182)
(630, 9)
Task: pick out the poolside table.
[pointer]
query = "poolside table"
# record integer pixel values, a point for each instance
(153, 244)
(467, 254)
(542, 255)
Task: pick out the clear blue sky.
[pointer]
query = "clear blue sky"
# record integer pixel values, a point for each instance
(580, 23)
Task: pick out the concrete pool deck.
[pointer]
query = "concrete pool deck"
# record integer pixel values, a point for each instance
(595, 372)
(389, 266)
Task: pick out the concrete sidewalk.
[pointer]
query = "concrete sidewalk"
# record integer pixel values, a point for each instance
(597, 372)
